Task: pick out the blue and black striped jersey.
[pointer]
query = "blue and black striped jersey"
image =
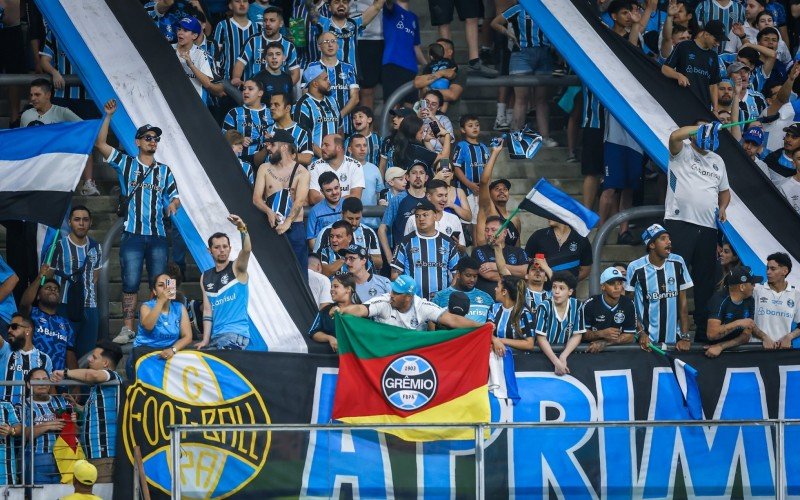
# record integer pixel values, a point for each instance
(430, 260)
(69, 258)
(655, 295)
(525, 29)
(250, 122)
(471, 158)
(343, 79)
(59, 60)
(594, 113)
(347, 35)
(146, 208)
(45, 411)
(302, 138)
(8, 446)
(710, 10)
(17, 364)
(320, 118)
(229, 40)
(254, 55)
(500, 317)
(557, 329)
(100, 414)
(534, 298)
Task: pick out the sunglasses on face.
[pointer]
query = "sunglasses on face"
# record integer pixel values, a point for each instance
(151, 138)
(16, 326)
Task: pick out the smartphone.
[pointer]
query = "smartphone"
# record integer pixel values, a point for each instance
(423, 104)
(171, 288)
(538, 256)
(434, 128)
(444, 164)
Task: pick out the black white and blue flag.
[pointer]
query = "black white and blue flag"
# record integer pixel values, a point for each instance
(523, 144)
(686, 375)
(546, 200)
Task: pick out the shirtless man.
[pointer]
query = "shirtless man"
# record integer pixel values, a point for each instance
(281, 190)
(492, 200)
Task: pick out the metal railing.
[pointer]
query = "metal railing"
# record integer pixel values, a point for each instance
(479, 429)
(473, 81)
(112, 236)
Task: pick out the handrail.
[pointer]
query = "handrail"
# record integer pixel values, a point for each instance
(602, 235)
(27, 78)
(112, 237)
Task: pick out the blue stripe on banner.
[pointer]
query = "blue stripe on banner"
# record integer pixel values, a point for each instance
(566, 265)
(545, 188)
(743, 250)
(69, 137)
(591, 75)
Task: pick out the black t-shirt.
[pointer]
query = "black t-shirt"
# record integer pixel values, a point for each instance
(597, 314)
(700, 66)
(405, 209)
(273, 84)
(724, 309)
(574, 253)
(415, 153)
(323, 322)
(514, 256)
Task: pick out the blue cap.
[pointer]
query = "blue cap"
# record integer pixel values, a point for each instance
(404, 285)
(311, 73)
(611, 274)
(652, 233)
(754, 135)
(190, 24)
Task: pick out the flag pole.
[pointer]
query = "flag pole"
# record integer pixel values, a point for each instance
(656, 349)
(507, 222)
(50, 252)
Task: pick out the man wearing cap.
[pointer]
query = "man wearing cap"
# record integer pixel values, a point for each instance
(446, 222)
(610, 317)
(316, 111)
(790, 188)
(697, 197)
(466, 277)
(731, 312)
(426, 254)
(194, 59)
(493, 200)
(253, 57)
(659, 281)
(780, 161)
(393, 224)
(563, 249)
(84, 475)
(515, 259)
(348, 170)
(280, 191)
(753, 145)
(402, 307)
(368, 284)
(751, 102)
(695, 63)
(151, 193)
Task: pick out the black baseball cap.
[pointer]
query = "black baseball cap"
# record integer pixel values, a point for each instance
(495, 182)
(743, 274)
(353, 249)
(717, 30)
(793, 129)
(281, 135)
(147, 128)
(401, 112)
(458, 303)
(424, 204)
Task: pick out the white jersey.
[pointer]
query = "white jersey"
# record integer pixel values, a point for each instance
(790, 188)
(320, 286)
(694, 182)
(775, 311)
(56, 114)
(774, 176)
(350, 174)
(416, 318)
(199, 58)
(773, 131)
(449, 224)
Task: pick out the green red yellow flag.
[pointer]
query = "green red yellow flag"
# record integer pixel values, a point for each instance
(67, 450)
(390, 375)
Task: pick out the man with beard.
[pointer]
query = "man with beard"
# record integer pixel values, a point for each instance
(659, 281)
(466, 276)
(316, 111)
(53, 334)
(18, 356)
(344, 27)
(253, 56)
(344, 87)
(348, 170)
(225, 321)
(280, 107)
(281, 190)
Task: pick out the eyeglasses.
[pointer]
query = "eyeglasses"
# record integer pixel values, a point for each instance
(350, 258)
(16, 326)
(328, 42)
(151, 138)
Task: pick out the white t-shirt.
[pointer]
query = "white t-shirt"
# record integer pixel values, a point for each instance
(773, 131)
(774, 176)
(694, 181)
(320, 286)
(775, 311)
(56, 114)
(200, 60)
(790, 188)
(449, 224)
(350, 174)
(416, 318)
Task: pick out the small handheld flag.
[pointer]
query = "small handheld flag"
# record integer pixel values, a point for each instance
(523, 144)
(708, 136)
(686, 376)
(546, 200)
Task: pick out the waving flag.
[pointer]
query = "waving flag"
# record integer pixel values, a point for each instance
(546, 200)
(67, 450)
(503, 377)
(523, 144)
(40, 167)
(686, 375)
(390, 375)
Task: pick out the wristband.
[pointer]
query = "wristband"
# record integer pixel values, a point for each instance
(66, 373)
(242, 229)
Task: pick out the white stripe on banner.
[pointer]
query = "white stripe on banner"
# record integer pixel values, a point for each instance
(570, 218)
(144, 102)
(647, 109)
(47, 172)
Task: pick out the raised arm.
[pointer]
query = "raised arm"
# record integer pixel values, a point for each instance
(110, 107)
(677, 137)
(372, 11)
(240, 265)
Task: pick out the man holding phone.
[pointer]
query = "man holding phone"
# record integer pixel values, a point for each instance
(225, 293)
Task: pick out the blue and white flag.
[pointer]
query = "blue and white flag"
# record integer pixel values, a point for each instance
(40, 168)
(502, 377)
(523, 144)
(546, 200)
(686, 375)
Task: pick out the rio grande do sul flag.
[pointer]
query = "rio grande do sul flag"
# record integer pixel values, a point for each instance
(390, 375)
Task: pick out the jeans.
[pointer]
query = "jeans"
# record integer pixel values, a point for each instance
(44, 469)
(297, 239)
(136, 249)
(229, 341)
(531, 61)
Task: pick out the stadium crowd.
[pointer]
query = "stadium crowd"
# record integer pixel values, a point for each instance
(445, 253)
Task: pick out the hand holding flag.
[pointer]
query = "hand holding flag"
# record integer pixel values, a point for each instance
(546, 200)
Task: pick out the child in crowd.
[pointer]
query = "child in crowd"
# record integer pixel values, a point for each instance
(559, 321)
(469, 158)
(438, 63)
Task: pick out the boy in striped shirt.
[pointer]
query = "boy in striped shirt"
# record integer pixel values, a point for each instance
(251, 119)
(469, 158)
(559, 320)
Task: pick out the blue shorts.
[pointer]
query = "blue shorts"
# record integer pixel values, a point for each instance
(623, 167)
(531, 61)
(229, 341)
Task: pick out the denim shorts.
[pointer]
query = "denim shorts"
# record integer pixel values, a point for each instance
(136, 250)
(531, 61)
(229, 341)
